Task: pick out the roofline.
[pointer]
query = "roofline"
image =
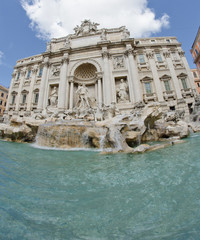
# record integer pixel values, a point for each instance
(196, 37)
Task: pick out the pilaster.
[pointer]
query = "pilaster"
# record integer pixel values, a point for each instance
(158, 87)
(173, 74)
(190, 77)
(106, 78)
(23, 73)
(63, 83)
(30, 95)
(43, 84)
(134, 82)
(71, 93)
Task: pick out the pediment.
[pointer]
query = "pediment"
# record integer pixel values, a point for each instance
(146, 79)
(165, 77)
(182, 75)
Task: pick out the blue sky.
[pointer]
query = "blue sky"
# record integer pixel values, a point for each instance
(52, 18)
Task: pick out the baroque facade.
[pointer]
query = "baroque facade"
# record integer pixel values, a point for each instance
(3, 99)
(95, 68)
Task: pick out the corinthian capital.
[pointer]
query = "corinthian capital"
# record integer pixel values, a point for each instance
(150, 55)
(181, 53)
(65, 58)
(129, 52)
(166, 54)
(105, 54)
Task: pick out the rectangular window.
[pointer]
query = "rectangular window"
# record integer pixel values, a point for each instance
(141, 58)
(1, 102)
(198, 84)
(159, 58)
(40, 72)
(148, 87)
(194, 74)
(13, 99)
(184, 84)
(29, 74)
(167, 86)
(18, 75)
(36, 98)
(2, 94)
(24, 98)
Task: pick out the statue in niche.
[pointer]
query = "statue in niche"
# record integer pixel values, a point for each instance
(118, 62)
(83, 99)
(53, 98)
(56, 71)
(103, 35)
(122, 92)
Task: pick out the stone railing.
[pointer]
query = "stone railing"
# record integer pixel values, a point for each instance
(143, 66)
(169, 95)
(149, 97)
(23, 106)
(187, 92)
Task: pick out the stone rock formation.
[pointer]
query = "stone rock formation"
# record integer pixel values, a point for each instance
(115, 133)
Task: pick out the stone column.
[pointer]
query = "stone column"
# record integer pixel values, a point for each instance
(106, 78)
(63, 83)
(99, 92)
(30, 95)
(10, 91)
(71, 94)
(190, 77)
(157, 83)
(134, 83)
(173, 75)
(43, 84)
(23, 74)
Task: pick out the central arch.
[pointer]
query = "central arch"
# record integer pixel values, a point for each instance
(85, 72)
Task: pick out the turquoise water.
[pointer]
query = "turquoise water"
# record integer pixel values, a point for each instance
(82, 195)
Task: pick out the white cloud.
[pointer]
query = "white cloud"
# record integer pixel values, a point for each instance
(1, 56)
(57, 18)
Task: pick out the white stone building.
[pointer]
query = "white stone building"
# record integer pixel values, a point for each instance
(97, 67)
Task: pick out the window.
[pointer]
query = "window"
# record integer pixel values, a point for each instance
(168, 40)
(1, 102)
(13, 99)
(24, 98)
(159, 58)
(36, 98)
(167, 86)
(194, 74)
(40, 72)
(198, 84)
(18, 75)
(141, 58)
(196, 52)
(2, 94)
(172, 108)
(148, 87)
(29, 74)
(4, 104)
(184, 84)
